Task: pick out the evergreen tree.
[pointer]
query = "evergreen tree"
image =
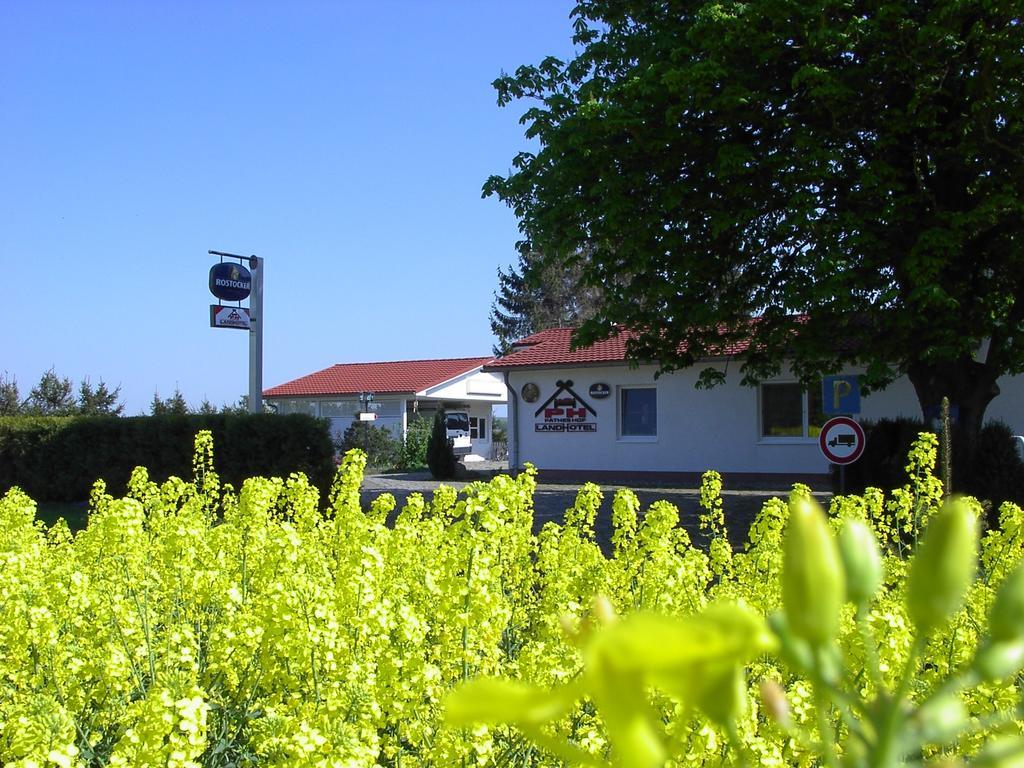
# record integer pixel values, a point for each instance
(51, 396)
(440, 453)
(99, 401)
(10, 399)
(173, 405)
(535, 295)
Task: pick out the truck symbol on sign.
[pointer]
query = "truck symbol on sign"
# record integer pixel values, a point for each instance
(847, 440)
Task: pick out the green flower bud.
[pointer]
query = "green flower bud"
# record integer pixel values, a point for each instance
(1006, 621)
(794, 651)
(941, 719)
(812, 574)
(1000, 660)
(943, 567)
(861, 560)
(1000, 752)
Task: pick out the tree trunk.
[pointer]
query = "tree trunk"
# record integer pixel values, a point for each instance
(970, 387)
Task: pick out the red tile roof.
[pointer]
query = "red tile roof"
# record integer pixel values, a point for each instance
(394, 377)
(552, 348)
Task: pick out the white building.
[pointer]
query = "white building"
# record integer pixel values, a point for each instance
(400, 391)
(581, 413)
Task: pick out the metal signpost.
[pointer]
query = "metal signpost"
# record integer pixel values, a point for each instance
(235, 282)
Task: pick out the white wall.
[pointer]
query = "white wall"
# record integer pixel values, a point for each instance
(697, 429)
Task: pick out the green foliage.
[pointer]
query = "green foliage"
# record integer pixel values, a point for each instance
(413, 453)
(440, 454)
(996, 473)
(195, 624)
(859, 163)
(10, 399)
(52, 396)
(538, 295)
(381, 447)
(58, 459)
(100, 401)
(174, 405)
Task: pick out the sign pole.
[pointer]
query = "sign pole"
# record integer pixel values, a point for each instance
(256, 336)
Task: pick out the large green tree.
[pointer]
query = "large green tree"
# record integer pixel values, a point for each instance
(721, 167)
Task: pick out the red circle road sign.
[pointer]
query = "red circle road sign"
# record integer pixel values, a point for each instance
(841, 440)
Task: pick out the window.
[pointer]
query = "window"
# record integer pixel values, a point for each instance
(478, 427)
(790, 411)
(638, 412)
(297, 406)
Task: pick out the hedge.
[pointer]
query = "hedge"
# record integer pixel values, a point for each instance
(59, 458)
(997, 473)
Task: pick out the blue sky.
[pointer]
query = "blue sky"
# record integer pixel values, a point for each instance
(346, 143)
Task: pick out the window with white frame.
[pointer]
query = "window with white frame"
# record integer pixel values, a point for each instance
(638, 412)
(478, 427)
(790, 411)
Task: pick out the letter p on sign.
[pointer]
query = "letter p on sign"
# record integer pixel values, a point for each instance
(840, 395)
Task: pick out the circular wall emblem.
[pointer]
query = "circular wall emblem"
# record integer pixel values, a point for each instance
(841, 440)
(530, 392)
(600, 390)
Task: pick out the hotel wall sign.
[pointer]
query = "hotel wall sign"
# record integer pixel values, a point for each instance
(600, 390)
(565, 411)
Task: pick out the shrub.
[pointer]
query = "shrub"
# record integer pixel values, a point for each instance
(440, 454)
(383, 450)
(414, 450)
(59, 458)
(997, 473)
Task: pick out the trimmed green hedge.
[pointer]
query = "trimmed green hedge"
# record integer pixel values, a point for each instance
(59, 458)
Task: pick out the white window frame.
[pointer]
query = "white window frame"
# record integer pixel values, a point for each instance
(805, 416)
(474, 427)
(619, 415)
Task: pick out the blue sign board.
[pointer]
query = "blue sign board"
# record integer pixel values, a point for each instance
(840, 395)
(230, 282)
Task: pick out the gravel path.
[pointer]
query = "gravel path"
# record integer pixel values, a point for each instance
(551, 500)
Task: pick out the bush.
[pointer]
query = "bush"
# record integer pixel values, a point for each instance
(414, 450)
(59, 458)
(383, 450)
(440, 454)
(997, 474)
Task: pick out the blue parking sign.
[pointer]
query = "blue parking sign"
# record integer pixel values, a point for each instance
(840, 395)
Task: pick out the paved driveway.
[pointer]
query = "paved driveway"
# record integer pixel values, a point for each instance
(551, 501)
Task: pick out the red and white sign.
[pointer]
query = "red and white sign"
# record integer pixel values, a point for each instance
(841, 440)
(229, 317)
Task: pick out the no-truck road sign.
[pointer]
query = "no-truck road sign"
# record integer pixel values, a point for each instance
(841, 440)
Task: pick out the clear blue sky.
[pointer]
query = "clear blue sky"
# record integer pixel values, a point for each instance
(344, 142)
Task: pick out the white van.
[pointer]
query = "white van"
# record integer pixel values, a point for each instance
(457, 428)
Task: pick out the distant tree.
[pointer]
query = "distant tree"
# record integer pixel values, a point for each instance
(10, 399)
(440, 453)
(207, 408)
(242, 406)
(537, 295)
(173, 405)
(52, 396)
(99, 401)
